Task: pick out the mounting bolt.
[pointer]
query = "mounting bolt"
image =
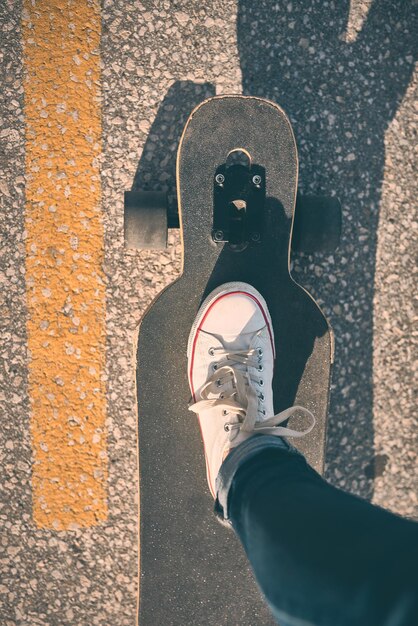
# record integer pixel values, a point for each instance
(257, 180)
(218, 235)
(255, 237)
(220, 179)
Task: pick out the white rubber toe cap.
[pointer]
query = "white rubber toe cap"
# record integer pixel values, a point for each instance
(233, 315)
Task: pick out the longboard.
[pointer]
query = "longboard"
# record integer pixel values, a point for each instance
(194, 572)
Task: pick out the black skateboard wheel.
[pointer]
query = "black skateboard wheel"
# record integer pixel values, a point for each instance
(317, 224)
(145, 224)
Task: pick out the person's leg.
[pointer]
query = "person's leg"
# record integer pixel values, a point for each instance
(320, 556)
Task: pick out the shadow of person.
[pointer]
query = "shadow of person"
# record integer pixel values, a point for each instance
(156, 170)
(341, 96)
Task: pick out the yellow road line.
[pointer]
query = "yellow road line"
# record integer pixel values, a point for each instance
(65, 281)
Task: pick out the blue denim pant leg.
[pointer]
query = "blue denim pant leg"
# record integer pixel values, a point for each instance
(320, 556)
(242, 453)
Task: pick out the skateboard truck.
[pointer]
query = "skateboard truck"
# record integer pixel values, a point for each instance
(239, 194)
(239, 213)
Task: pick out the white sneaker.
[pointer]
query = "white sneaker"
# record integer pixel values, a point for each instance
(230, 367)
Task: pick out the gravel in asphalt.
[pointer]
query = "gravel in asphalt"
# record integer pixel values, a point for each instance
(350, 93)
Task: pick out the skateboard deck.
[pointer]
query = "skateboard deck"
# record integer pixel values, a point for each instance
(194, 572)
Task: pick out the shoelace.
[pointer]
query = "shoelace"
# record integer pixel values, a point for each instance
(240, 398)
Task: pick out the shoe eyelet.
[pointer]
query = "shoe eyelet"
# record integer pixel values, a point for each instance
(260, 368)
(261, 382)
(222, 396)
(263, 412)
(261, 396)
(260, 352)
(214, 366)
(218, 383)
(211, 351)
(225, 412)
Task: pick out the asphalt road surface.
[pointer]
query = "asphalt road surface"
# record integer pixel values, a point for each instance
(93, 101)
